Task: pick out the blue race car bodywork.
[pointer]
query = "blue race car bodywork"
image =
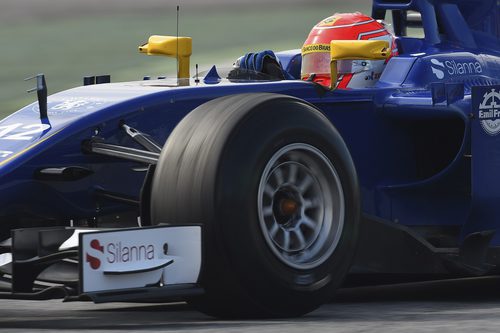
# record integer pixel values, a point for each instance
(424, 142)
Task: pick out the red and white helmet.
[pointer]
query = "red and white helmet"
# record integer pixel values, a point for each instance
(351, 73)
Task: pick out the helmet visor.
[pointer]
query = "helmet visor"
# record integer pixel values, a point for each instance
(315, 63)
(319, 63)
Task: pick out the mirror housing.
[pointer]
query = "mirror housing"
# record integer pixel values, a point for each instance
(171, 46)
(355, 50)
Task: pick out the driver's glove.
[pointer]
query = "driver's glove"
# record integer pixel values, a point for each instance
(264, 62)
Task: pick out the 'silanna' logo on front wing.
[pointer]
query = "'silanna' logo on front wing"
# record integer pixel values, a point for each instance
(94, 262)
(118, 253)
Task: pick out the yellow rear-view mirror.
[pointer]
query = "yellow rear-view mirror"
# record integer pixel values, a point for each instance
(356, 50)
(171, 46)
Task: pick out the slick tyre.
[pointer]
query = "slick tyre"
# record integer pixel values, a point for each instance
(273, 184)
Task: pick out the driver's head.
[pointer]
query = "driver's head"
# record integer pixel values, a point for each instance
(351, 73)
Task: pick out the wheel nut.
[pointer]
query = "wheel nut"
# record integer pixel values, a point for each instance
(288, 207)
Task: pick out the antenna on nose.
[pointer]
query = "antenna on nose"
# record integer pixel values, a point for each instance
(177, 35)
(41, 91)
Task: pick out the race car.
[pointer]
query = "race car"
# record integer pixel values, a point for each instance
(251, 196)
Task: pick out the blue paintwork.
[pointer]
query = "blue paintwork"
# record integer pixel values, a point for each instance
(411, 136)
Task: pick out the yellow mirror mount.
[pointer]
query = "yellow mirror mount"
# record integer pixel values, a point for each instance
(355, 50)
(171, 46)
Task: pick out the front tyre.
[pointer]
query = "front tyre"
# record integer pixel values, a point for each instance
(275, 187)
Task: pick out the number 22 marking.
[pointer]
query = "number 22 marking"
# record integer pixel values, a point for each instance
(5, 153)
(30, 130)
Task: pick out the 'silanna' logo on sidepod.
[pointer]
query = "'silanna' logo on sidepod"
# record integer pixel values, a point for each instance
(437, 68)
(455, 67)
(94, 262)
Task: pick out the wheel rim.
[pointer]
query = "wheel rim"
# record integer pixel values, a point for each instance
(301, 206)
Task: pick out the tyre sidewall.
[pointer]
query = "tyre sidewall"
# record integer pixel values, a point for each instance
(236, 231)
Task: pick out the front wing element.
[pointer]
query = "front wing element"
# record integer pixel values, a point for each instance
(142, 257)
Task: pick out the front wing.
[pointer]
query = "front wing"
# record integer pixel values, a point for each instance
(160, 262)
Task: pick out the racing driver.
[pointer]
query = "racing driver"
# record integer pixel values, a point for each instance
(316, 53)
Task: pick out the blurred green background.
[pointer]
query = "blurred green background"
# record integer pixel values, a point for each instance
(68, 39)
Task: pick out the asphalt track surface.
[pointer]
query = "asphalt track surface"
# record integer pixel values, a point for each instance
(467, 305)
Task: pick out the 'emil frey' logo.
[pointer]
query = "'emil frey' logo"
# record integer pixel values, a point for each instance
(453, 67)
(489, 112)
(113, 253)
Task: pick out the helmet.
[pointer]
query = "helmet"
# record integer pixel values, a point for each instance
(352, 73)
